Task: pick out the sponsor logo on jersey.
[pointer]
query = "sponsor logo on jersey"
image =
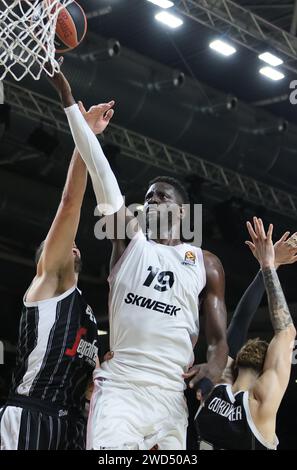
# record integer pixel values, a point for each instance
(83, 348)
(151, 304)
(88, 350)
(190, 258)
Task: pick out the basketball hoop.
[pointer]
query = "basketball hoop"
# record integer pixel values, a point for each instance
(27, 33)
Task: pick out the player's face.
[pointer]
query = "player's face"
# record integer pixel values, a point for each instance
(160, 203)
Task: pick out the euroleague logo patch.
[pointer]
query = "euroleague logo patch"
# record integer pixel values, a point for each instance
(190, 258)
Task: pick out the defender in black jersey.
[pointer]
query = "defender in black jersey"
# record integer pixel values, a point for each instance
(58, 341)
(241, 414)
(225, 422)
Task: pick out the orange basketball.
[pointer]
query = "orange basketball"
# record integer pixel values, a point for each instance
(71, 27)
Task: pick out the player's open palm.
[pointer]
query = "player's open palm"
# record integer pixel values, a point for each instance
(261, 244)
(99, 116)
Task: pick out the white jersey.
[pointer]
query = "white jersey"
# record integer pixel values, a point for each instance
(154, 313)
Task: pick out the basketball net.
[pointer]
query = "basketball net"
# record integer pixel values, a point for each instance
(27, 33)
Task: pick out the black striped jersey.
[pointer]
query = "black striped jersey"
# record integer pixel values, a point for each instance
(224, 421)
(57, 350)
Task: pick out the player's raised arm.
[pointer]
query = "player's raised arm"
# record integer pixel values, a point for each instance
(108, 195)
(271, 385)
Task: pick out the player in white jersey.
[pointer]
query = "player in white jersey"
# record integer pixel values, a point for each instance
(156, 282)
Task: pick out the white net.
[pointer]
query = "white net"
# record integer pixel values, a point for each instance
(27, 33)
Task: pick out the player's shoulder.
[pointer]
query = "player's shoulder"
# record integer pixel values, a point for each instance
(211, 260)
(215, 275)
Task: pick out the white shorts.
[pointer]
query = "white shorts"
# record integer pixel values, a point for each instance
(127, 416)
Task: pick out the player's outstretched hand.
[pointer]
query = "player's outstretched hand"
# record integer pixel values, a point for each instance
(61, 85)
(261, 245)
(99, 116)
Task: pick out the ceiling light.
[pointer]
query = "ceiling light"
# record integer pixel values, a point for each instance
(222, 47)
(168, 19)
(271, 73)
(271, 59)
(162, 3)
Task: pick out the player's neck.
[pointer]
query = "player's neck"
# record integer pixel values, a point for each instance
(169, 237)
(170, 242)
(245, 381)
(165, 241)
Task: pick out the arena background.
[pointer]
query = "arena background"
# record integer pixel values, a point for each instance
(229, 133)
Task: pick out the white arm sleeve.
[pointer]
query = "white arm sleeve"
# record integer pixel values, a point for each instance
(106, 188)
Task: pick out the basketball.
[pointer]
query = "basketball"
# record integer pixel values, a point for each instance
(71, 27)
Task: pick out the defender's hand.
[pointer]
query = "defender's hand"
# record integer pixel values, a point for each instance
(261, 245)
(98, 117)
